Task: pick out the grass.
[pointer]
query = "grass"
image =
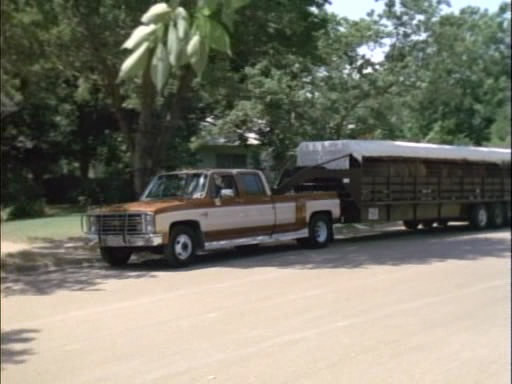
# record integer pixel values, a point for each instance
(30, 230)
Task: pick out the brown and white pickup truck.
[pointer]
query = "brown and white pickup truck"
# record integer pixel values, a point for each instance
(181, 213)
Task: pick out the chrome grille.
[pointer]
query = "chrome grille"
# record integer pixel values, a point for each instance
(118, 224)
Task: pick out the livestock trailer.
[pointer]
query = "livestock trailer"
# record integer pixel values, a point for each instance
(417, 183)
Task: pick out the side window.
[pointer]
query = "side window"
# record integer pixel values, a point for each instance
(224, 182)
(252, 184)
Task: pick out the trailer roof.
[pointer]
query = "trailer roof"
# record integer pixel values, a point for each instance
(312, 153)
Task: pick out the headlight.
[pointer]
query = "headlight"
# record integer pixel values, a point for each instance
(149, 223)
(92, 224)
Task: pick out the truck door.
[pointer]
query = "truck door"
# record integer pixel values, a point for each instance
(257, 202)
(226, 217)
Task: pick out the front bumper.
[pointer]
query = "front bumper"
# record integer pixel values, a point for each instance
(149, 240)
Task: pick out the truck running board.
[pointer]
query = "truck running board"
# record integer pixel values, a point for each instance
(211, 245)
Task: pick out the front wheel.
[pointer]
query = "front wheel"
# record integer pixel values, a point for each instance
(181, 249)
(320, 232)
(115, 257)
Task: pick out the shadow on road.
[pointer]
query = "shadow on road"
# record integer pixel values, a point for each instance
(59, 265)
(13, 345)
(391, 248)
(56, 265)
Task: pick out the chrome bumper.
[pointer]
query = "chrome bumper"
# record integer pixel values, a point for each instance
(127, 241)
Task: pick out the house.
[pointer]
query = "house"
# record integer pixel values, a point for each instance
(216, 151)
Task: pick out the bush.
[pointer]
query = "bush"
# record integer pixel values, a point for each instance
(69, 189)
(63, 189)
(27, 209)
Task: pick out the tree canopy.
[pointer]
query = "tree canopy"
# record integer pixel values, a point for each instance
(124, 86)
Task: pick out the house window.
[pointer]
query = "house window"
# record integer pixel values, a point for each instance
(224, 160)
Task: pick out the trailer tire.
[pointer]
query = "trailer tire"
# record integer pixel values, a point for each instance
(320, 231)
(506, 213)
(410, 225)
(442, 223)
(182, 246)
(496, 215)
(115, 257)
(427, 224)
(479, 217)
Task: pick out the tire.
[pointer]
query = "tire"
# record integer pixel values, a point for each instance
(427, 224)
(506, 213)
(182, 246)
(442, 223)
(115, 257)
(410, 225)
(320, 232)
(496, 215)
(479, 218)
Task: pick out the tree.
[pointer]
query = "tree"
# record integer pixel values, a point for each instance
(453, 70)
(167, 40)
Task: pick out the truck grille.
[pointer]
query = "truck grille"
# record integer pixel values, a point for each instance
(118, 224)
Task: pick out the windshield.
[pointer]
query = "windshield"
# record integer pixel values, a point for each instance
(187, 185)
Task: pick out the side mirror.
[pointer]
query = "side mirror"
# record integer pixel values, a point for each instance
(226, 193)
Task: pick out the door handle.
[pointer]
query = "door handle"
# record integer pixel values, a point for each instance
(203, 214)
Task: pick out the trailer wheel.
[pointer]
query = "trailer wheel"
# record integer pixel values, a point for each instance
(410, 225)
(427, 224)
(181, 249)
(479, 218)
(320, 231)
(506, 213)
(497, 215)
(115, 257)
(442, 223)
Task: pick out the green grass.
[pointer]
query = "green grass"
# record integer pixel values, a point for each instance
(33, 230)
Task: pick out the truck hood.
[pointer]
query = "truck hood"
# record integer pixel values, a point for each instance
(150, 206)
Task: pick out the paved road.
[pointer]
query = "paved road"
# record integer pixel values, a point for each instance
(396, 308)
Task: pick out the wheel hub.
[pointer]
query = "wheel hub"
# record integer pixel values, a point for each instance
(183, 247)
(482, 217)
(320, 231)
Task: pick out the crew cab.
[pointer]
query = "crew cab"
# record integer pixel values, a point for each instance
(181, 213)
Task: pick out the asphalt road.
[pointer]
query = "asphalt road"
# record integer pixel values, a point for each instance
(428, 307)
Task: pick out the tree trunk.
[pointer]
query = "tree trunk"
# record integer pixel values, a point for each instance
(85, 162)
(171, 113)
(143, 166)
(145, 136)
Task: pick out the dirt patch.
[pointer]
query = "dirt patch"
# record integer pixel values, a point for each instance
(10, 247)
(46, 254)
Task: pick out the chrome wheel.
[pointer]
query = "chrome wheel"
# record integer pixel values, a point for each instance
(183, 247)
(321, 232)
(482, 218)
(479, 217)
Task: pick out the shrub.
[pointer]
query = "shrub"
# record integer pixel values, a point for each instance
(27, 209)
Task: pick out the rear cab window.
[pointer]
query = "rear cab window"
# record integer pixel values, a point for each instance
(252, 184)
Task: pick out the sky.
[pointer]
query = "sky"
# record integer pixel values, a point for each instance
(355, 9)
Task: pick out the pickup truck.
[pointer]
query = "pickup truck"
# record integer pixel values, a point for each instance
(181, 213)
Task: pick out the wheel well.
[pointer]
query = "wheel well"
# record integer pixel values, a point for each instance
(192, 224)
(328, 213)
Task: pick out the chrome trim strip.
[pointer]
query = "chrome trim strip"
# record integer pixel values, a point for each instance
(211, 245)
(99, 213)
(131, 241)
